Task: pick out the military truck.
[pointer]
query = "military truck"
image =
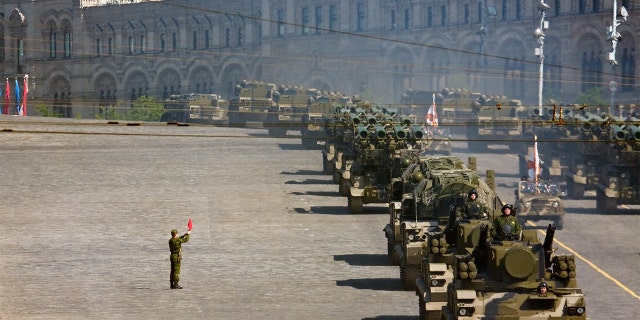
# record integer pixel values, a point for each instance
(251, 103)
(539, 200)
(317, 117)
(291, 107)
(595, 152)
(496, 120)
(378, 149)
(501, 280)
(196, 108)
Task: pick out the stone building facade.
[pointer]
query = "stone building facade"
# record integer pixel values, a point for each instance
(83, 54)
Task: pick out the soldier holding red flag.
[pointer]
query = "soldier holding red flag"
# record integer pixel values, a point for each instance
(175, 246)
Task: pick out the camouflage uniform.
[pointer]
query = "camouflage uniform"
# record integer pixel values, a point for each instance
(472, 209)
(509, 221)
(175, 246)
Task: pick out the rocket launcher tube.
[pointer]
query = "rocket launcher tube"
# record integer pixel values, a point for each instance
(548, 245)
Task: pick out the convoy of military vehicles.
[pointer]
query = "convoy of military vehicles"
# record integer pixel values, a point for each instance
(390, 155)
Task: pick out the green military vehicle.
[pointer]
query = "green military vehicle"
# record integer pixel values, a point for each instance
(402, 187)
(379, 147)
(251, 103)
(597, 152)
(461, 236)
(496, 120)
(291, 107)
(540, 200)
(318, 115)
(430, 202)
(519, 279)
(196, 108)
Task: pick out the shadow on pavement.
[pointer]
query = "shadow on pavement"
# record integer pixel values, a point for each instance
(385, 284)
(373, 260)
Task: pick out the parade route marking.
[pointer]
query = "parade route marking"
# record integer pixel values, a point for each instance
(593, 265)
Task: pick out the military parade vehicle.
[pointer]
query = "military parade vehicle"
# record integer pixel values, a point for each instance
(504, 279)
(595, 151)
(496, 120)
(539, 200)
(196, 108)
(317, 116)
(379, 147)
(291, 106)
(251, 103)
(460, 236)
(402, 188)
(428, 206)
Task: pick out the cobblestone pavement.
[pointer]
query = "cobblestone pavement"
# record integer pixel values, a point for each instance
(87, 210)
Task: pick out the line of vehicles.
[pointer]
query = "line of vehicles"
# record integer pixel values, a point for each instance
(457, 269)
(387, 154)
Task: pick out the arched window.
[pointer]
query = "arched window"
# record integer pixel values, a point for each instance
(67, 42)
(52, 43)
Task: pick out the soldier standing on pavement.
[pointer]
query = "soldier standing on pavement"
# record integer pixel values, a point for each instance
(506, 226)
(175, 246)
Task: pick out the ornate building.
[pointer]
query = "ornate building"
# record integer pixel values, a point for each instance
(82, 54)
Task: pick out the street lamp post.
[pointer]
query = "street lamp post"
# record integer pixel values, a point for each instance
(619, 17)
(539, 34)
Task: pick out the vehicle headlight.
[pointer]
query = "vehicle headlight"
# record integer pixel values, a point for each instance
(576, 311)
(466, 311)
(411, 237)
(555, 204)
(527, 204)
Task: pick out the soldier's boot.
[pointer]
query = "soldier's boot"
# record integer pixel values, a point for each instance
(177, 286)
(173, 284)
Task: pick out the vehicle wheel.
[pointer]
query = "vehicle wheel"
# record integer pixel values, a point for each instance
(605, 204)
(391, 253)
(309, 143)
(326, 166)
(343, 188)
(356, 205)
(559, 222)
(575, 190)
(336, 176)
(408, 275)
(422, 313)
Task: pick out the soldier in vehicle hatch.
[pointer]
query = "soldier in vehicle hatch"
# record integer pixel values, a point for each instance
(473, 208)
(506, 226)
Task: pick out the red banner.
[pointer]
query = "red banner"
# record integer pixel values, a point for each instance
(7, 99)
(23, 110)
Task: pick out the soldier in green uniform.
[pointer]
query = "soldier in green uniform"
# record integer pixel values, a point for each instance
(175, 246)
(506, 226)
(473, 208)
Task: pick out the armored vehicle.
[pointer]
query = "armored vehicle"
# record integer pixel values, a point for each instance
(496, 120)
(378, 154)
(317, 117)
(404, 185)
(504, 280)
(539, 200)
(595, 152)
(291, 106)
(461, 236)
(196, 108)
(430, 202)
(251, 102)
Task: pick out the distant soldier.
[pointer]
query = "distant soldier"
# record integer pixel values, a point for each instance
(506, 226)
(175, 246)
(473, 208)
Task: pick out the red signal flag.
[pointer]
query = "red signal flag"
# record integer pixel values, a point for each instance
(190, 224)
